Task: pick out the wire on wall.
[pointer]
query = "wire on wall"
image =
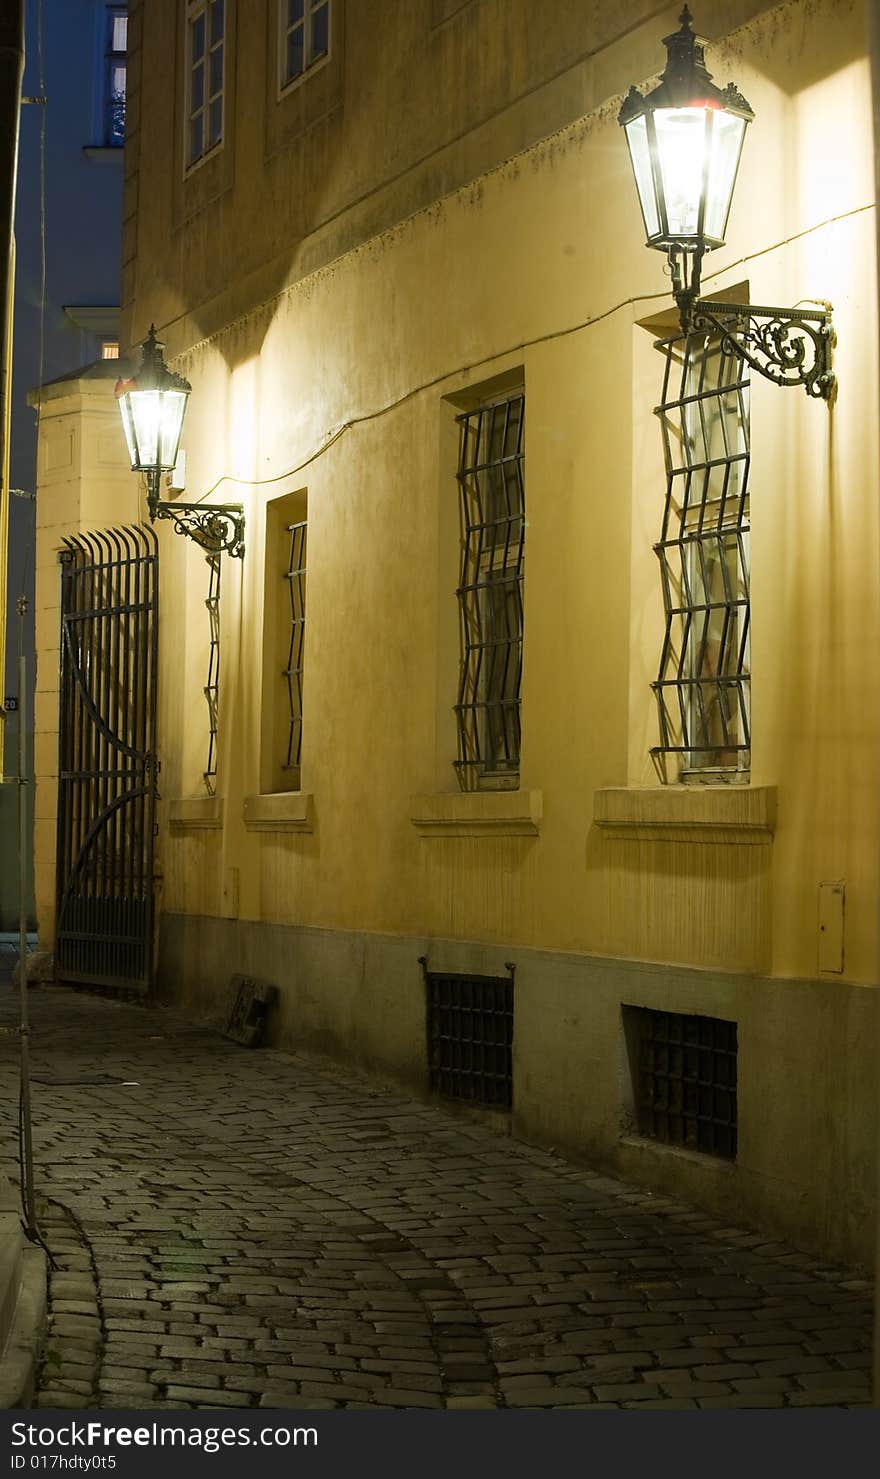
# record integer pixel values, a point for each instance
(334, 435)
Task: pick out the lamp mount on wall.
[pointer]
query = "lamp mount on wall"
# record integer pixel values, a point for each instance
(685, 140)
(153, 405)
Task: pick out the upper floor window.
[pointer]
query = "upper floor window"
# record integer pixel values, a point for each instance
(305, 36)
(491, 479)
(115, 76)
(205, 52)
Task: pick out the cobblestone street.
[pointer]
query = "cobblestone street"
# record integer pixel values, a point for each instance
(234, 1228)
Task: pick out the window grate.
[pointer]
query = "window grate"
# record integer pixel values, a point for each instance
(293, 672)
(470, 1037)
(491, 480)
(212, 687)
(686, 1072)
(703, 684)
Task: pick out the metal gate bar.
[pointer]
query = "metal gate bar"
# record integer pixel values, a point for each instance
(107, 765)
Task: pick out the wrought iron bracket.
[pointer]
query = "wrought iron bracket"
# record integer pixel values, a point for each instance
(790, 346)
(218, 528)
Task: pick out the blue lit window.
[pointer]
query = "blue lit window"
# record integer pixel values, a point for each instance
(115, 76)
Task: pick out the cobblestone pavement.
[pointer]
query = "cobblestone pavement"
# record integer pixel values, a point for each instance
(237, 1229)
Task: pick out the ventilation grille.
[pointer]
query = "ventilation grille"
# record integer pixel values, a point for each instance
(470, 1038)
(685, 1079)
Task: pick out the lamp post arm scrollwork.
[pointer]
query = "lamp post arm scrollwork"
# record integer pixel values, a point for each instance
(790, 346)
(218, 528)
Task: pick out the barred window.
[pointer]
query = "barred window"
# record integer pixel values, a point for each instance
(212, 687)
(284, 636)
(293, 672)
(205, 77)
(703, 684)
(305, 36)
(491, 479)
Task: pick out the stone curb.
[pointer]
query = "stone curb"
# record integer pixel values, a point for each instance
(21, 1354)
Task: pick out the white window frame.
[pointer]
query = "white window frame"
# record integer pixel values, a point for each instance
(311, 64)
(194, 9)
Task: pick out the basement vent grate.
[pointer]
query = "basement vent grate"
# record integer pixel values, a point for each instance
(685, 1071)
(470, 1037)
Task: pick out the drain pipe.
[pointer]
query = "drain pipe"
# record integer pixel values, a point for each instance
(11, 76)
(873, 14)
(25, 1129)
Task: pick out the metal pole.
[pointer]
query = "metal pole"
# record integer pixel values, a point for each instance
(27, 1151)
(873, 18)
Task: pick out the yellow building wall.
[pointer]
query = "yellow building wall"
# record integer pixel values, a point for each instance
(360, 361)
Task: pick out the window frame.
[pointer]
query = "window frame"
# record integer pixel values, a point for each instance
(112, 59)
(293, 672)
(490, 761)
(285, 84)
(285, 637)
(195, 9)
(704, 524)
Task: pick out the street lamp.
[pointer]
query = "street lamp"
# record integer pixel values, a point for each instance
(152, 406)
(685, 140)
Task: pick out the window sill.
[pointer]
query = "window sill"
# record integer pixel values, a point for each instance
(104, 153)
(743, 815)
(279, 811)
(478, 814)
(196, 814)
(718, 1164)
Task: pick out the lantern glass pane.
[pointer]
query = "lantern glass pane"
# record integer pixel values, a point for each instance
(682, 135)
(145, 406)
(640, 154)
(728, 131)
(170, 426)
(128, 427)
(153, 421)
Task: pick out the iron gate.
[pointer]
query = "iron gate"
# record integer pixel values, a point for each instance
(106, 762)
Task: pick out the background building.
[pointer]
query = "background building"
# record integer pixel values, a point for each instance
(396, 250)
(76, 320)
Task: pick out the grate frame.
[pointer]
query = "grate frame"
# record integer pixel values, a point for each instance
(211, 689)
(685, 1079)
(293, 671)
(469, 1031)
(702, 689)
(491, 481)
